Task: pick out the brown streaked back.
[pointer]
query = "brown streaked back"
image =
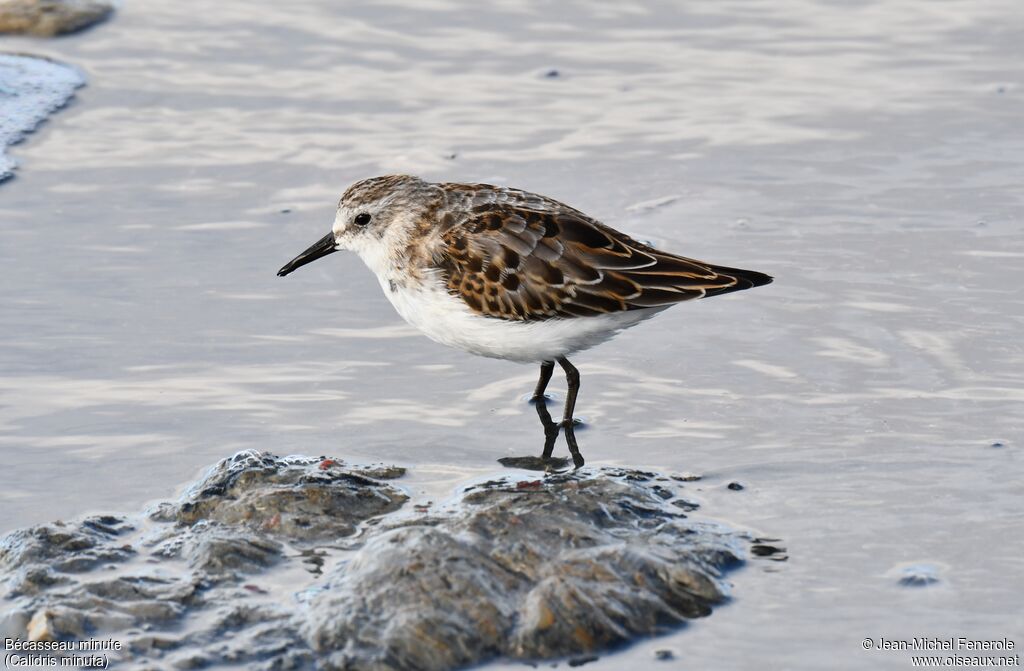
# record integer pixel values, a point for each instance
(523, 257)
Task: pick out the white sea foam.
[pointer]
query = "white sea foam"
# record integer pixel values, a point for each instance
(31, 89)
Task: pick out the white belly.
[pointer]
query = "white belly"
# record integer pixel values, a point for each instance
(449, 321)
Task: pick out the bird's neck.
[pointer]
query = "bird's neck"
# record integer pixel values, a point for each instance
(399, 257)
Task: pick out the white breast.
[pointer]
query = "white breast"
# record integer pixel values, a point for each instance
(449, 321)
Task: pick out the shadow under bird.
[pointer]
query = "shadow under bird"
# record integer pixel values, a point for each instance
(510, 274)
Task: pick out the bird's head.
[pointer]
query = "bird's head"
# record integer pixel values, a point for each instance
(374, 219)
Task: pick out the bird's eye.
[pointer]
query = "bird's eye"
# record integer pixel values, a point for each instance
(362, 219)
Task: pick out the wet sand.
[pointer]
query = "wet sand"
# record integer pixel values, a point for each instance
(869, 158)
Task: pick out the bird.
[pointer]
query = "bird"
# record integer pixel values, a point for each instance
(509, 274)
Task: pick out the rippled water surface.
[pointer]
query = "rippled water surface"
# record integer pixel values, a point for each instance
(869, 155)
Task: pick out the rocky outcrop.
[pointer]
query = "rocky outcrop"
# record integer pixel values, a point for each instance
(46, 18)
(298, 562)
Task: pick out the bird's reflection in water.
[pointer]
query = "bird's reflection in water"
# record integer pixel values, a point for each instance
(545, 462)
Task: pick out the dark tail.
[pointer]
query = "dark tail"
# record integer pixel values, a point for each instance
(745, 279)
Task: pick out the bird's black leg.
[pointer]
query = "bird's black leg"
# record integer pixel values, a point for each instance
(546, 369)
(551, 428)
(572, 378)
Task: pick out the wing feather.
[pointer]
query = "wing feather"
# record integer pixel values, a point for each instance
(524, 257)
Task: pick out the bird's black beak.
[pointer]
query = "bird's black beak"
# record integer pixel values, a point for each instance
(321, 247)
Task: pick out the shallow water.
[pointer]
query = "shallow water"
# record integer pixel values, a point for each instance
(868, 157)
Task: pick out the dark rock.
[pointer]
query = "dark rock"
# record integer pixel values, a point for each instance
(918, 580)
(662, 492)
(55, 547)
(736, 487)
(526, 573)
(291, 497)
(46, 18)
(218, 551)
(379, 471)
(771, 552)
(919, 575)
(687, 506)
(282, 563)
